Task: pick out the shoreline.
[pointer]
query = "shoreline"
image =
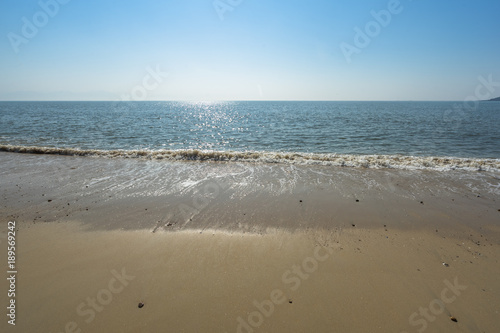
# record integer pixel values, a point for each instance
(135, 194)
(234, 247)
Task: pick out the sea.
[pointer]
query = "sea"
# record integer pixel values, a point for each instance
(405, 135)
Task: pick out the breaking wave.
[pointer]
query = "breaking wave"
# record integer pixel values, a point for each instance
(344, 160)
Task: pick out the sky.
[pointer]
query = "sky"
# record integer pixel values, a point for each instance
(204, 50)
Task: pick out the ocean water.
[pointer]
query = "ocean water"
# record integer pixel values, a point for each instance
(446, 135)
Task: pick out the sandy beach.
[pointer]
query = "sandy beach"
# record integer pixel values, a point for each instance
(129, 245)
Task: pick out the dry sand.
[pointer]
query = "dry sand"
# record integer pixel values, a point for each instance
(228, 247)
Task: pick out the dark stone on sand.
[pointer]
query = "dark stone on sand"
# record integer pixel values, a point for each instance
(290, 301)
(357, 200)
(422, 202)
(353, 225)
(300, 200)
(49, 200)
(454, 319)
(141, 305)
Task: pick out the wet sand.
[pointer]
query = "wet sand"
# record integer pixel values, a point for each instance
(227, 247)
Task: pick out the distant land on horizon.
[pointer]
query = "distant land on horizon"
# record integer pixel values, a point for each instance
(494, 99)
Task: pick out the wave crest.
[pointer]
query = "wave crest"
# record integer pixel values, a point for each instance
(344, 160)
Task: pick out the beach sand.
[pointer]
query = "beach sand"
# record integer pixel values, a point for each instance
(241, 247)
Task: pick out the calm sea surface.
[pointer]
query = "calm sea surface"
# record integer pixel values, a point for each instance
(420, 129)
(407, 128)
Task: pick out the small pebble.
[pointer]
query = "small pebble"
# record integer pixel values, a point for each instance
(422, 202)
(353, 225)
(141, 305)
(290, 301)
(357, 200)
(454, 319)
(300, 200)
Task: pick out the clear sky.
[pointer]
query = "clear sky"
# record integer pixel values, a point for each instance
(247, 50)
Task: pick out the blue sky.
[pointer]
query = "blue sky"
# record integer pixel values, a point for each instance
(247, 50)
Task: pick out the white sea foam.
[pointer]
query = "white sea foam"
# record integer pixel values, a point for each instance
(344, 160)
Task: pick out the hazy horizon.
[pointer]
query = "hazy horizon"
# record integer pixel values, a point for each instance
(231, 100)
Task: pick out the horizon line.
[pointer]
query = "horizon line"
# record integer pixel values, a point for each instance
(254, 100)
